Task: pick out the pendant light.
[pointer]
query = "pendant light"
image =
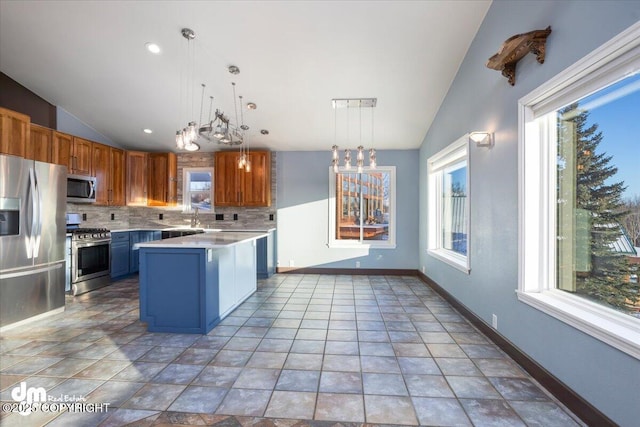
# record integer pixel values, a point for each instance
(360, 150)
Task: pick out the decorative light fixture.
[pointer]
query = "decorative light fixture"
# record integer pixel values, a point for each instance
(219, 129)
(482, 139)
(186, 137)
(359, 103)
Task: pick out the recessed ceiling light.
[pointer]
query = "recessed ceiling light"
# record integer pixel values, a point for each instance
(264, 132)
(147, 130)
(153, 48)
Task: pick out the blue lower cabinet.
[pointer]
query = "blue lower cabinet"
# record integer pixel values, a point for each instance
(178, 290)
(119, 254)
(134, 254)
(266, 256)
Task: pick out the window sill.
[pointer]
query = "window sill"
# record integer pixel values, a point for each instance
(456, 261)
(616, 329)
(354, 245)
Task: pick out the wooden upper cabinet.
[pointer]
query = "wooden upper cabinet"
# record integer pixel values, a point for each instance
(136, 178)
(160, 190)
(227, 179)
(100, 169)
(61, 149)
(14, 132)
(118, 174)
(40, 144)
(107, 165)
(82, 153)
(257, 183)
(172, 170)
(235, 187)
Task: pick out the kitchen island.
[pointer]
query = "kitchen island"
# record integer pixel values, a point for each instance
(189, 284)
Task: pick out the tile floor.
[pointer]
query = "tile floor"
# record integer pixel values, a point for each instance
(302, 350)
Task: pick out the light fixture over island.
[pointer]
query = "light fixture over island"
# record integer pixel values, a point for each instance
(189, 284)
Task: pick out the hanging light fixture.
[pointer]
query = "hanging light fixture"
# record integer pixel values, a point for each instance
(187, 136)
(360, 150)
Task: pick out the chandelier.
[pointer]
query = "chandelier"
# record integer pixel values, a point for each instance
(219, 127)
(347, 103)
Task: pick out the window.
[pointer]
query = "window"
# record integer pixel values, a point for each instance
(198, 189)
(448, 207)
(362, 208)
(579, 180)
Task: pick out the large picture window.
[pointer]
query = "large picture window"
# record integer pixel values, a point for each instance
(580, 195)
(448, 209)
(362, 208)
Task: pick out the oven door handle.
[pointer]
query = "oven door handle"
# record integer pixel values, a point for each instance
(91, 243)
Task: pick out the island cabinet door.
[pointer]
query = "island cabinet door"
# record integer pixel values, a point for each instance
(226, 279)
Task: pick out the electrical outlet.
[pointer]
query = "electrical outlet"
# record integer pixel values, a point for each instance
(84, 216)
(235, 217)
(113, 216)
(291, 263)
(494, 321)
(160, 217)
(219, 217)
(357, 264)
(270, 217)
(424, 270)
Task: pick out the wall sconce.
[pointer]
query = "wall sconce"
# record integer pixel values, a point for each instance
(482, 139)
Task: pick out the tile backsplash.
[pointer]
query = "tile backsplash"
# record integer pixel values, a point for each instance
(127, 217)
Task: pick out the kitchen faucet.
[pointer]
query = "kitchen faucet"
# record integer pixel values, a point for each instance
(195, 221)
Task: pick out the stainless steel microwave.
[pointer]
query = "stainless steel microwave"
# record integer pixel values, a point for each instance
(81, 189)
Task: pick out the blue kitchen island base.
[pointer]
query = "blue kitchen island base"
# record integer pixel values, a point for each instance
(191, 289)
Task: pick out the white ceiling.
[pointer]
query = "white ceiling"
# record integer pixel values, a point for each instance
(89, 58)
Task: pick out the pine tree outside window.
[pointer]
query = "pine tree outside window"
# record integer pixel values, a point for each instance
(578, 163)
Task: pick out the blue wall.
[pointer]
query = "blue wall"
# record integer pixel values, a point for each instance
(303, 213)
(481, 99)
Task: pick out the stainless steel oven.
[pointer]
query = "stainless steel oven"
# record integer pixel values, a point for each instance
(90, 259)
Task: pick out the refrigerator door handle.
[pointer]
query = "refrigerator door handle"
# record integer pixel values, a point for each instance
(30, 238)
(38, 210)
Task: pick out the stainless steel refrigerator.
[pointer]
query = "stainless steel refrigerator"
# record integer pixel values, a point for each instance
(32, 238)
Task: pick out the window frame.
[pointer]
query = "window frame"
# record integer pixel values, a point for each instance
(454, 153)
(537, 150)
(186, 198)
(390, 243)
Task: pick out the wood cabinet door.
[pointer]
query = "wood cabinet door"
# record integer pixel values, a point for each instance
(100, 169)
(61, 149)
(227, 179)
(256, 186)
(14, 132)
(40, 142)
(82, 155)
(136, 178)
(117, 177)
(157, 188)
(172, 171)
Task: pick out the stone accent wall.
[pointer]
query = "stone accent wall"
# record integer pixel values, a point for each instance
(127, 217)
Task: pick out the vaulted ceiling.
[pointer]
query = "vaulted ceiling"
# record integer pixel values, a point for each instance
(89, 58)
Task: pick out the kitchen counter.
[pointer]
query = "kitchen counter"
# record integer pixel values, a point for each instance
(211, 240)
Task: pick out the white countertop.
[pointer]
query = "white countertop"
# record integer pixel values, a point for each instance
(206, 230)
(203, 240)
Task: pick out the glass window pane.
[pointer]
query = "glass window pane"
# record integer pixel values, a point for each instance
(598, 193)
(454, 217)
(376, 207)
(347, 207)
